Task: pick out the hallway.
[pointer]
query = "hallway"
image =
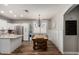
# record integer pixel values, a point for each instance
(26, 49)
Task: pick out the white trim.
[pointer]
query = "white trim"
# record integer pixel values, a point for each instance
(72, 53)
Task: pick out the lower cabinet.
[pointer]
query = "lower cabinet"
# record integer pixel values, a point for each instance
(78, 44)
(71, 45)
(8, 45)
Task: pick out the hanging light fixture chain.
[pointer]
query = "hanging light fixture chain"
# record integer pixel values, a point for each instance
(39, 21)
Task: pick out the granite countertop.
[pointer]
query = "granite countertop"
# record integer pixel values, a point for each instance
(9, 36)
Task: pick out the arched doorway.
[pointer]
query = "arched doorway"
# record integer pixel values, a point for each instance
(71, 30)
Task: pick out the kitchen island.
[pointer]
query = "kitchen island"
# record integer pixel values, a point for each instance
(9, 42)
(40, 42)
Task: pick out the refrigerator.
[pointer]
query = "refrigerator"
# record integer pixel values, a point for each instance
(23, 30)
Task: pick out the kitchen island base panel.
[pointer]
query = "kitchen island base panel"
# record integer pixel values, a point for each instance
(8, 45)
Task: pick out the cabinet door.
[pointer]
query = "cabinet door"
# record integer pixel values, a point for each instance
(78, 44)
(70, 44)
(78, 35)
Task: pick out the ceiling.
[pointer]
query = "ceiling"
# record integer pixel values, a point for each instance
(16, 11)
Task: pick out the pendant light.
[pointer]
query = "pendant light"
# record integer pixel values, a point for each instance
(39, 21)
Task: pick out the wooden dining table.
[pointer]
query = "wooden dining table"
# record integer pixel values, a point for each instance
(40, 42)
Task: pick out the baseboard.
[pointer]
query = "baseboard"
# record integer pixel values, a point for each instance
(71, 53)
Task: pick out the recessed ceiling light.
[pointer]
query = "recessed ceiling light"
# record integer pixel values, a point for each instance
(21, 15)
(14, 15)
(2, 12)
(10, 11)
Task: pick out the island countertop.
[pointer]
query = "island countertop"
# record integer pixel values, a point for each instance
(9, 36)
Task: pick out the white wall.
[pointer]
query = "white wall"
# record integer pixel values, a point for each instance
(56, 32)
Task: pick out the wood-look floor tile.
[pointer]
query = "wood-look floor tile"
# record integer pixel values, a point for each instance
(27, 49)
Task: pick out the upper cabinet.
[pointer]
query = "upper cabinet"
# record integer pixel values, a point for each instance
(3, 24)
(11, 26)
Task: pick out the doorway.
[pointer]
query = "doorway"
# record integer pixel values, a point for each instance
(71, 31)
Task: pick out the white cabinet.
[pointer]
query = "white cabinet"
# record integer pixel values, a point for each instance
(70, 44)
(3, 24)
(11, 26)
(8, 45)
